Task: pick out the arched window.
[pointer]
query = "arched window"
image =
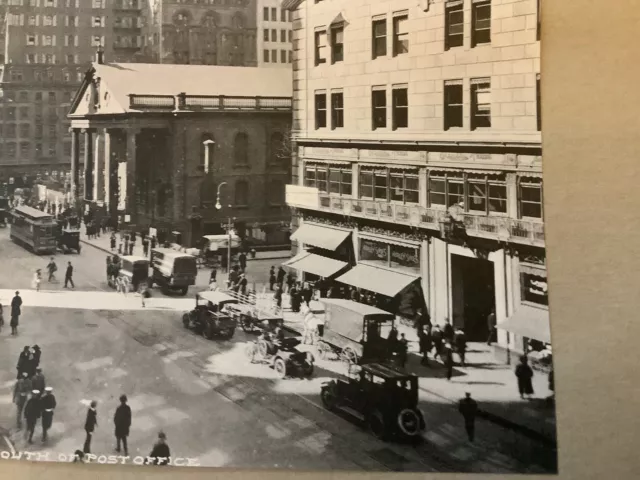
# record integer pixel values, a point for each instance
(242, 193)
(182, 18)
(203, 151)
(210, 20)
(275, 194)
(276, 149)
(241, 149)
(238, 21)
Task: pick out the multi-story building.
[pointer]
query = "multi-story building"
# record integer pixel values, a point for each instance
(274, 34)
(203, 32)
(417, 157)
(48, 47)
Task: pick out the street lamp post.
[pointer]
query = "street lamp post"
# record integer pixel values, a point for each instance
(229, 226)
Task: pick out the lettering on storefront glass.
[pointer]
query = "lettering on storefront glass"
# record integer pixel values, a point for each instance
(374, 251)
(534, 289)
(394, 256)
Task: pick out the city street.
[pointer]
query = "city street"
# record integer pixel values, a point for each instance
(212, 403)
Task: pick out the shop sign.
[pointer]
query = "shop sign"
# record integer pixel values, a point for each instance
(391, 154)
(322, 152)
(535, 289)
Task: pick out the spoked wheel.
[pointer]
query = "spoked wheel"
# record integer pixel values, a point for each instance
(329, 397)
(280, 367)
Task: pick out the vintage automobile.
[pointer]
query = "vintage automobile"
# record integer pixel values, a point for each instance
(210, 316)
(355, 332)
(253, 319)
(281, 355)
(214, 247)
(381, 396)
(173, 270)
(68, 240)
(133, 274)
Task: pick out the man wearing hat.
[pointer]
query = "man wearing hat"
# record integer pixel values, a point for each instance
(469, 409)
(160, 454)
(38, 381)
(122, 421)
(20, 394)
(32, 412)
(48, 406)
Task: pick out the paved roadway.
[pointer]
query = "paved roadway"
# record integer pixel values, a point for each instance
(212, 404)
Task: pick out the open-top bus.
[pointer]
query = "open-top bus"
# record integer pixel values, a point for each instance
(34, 229)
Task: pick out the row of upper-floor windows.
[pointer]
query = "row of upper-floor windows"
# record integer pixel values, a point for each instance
(329, 42)
(33, 40)
(271, 14)
(453, 106)
(66, 76)
(28, 150)
(474, 193)
(272, 56)
(24, 130)
(285, 35)
(23, 96)
(64, 3)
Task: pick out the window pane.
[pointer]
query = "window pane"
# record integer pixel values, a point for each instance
(436, 191)
(346, 182)
(374, 252)
(397, 188)
(477, 197)
(497, 198)
(310, 176)
(456, 193)
(321, 181)
(381, 186)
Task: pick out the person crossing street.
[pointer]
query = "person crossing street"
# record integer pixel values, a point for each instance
(32, 412)
(68, 276)
(122, 421)
(48, 406)
(90, 425)
(16, 303)
(468, 407)
(20, 394)
(52, 268)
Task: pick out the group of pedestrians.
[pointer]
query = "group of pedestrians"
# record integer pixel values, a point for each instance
(34, 400)
(443, 342)
(52, 268)
(126, 244)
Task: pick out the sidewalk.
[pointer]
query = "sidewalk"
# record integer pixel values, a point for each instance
(492, 384)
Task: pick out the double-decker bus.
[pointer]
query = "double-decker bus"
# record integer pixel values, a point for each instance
(34, 229)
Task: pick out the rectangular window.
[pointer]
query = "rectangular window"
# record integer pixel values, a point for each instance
(11, 150)
(321, 179)
(497, 197)
(24, 149)
(24, 113)
(31, 39)
(480, 103)
(400, 35)
(290, 56)
(290, 35)
(452, 104)
(400, 107)
(38, 96)
(379, 108)
(265, 54)
(283, 15)
(25, 130)
(283, 56)
(365, 184)
(379, 34)
(47, 40)
(283, 36)
(530, 197)
(538, 105)
(23, 96)
(274, 35)
(534, 288)
(321, 109)
(274, 14)
(321, 46)
(337, 44)
(97, 22)
(310, 176)
(337, 110)
(380, 185)
(453, 24)
(437, 191)
(70, 59)
(10, 130)
(538, 20)
(47, 21)
(403, 188)
(481, 26)
(265, 35)
(52, 97)
(11, 113)
(274, 56)
(31, 58)
(52, 149)
(265, 14)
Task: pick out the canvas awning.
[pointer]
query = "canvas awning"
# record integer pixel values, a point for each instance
(530, 322)
(378, 280)
(317, 264)
(319, 236)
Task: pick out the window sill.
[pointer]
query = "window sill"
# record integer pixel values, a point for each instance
(532, 219)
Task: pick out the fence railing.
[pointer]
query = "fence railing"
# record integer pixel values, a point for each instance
(208, 102)
(498, 228)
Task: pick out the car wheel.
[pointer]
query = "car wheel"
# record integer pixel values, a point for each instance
(409, 422)
(185, 320)
(229, 334)
(263, 348)
(280, 366)
(329, 397)
(184, 290)
(208, 332)
(377, 425)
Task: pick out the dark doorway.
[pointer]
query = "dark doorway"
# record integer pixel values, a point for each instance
(473, 295)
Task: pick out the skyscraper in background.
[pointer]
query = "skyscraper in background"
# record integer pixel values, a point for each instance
(275, 31)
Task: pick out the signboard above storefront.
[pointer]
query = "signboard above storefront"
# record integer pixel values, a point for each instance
(324, 153)
(393, 155)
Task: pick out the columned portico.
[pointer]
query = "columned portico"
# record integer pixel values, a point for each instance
(75, 162)
(89, 166)
(129, 182)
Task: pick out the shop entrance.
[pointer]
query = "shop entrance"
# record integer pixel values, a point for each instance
(473, 295)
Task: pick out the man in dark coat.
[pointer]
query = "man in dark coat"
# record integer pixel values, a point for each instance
(20, 395)
(403, 349)
(460, 340)
(524, 373)
(447, 332)
(468, 407)
(16, 303)
(37, 353)
(38, 381)
(90, 425)
(272, 278)
(122, 421)
(68, 276)
(242, 258)
(307, 293)
(426, 345)
(447, 357)
(161, 453)
(32, 412)
(48, 406)
(23, 361)
(280, 276)
(491, 326)
(436, 336)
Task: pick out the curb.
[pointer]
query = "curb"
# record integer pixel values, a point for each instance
(7, 438)
(96, 246)
(491, 417)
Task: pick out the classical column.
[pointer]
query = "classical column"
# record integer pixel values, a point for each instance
(88, 164)
(75, 162)
(130, 201)
(107, 169)
(98, 166)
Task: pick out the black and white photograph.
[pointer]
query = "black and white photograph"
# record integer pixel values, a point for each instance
(274, 234)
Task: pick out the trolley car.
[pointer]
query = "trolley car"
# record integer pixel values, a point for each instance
(34, 229)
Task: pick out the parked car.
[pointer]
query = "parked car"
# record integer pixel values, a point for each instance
(381, 396)
(282, 356)
(210, 317)
(173, 270)
(69, 239)
(133, 274)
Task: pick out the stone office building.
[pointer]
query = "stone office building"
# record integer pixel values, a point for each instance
(417, 156)
(157, 152)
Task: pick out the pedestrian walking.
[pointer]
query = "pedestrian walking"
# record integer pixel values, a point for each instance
(20, 394)
(48, 406)
(242, 258)
(68, 276)
(161, 453)
(126, 244)
(30, 364)
(491, 326)
(154, 242)
(426, 344)
(37, 278)
(23, 360)
(295, 298)
(122, 422)
(272, 277)
(90, 425)
(447, 332)
(38, 381)
(278, 296)
(52, 268)
(112, 241)
(32, 412)
(290, 280)
(403, 349)
(242, 284)
(460, 340)
(468, 407)
(307, 293)
(436, 336)
(145, 246)
(132, 244)
(1, 317)
(37, 353)
(524, 374)
(280, 276)
(447, 355)
(214, 275)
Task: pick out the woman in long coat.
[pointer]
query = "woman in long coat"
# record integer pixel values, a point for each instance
(524, 373)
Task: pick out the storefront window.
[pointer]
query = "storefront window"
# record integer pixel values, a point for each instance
(534, 289)
(389, 186)
(374, 252)
(334, 180)
(405, 258)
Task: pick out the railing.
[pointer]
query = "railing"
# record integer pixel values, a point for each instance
(209, 102)
(496, 228)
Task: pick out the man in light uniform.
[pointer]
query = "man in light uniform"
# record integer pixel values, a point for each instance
(48, 406)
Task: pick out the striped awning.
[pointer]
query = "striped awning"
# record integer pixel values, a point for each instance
(316, 264)
(378, 280)
(320, 236)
